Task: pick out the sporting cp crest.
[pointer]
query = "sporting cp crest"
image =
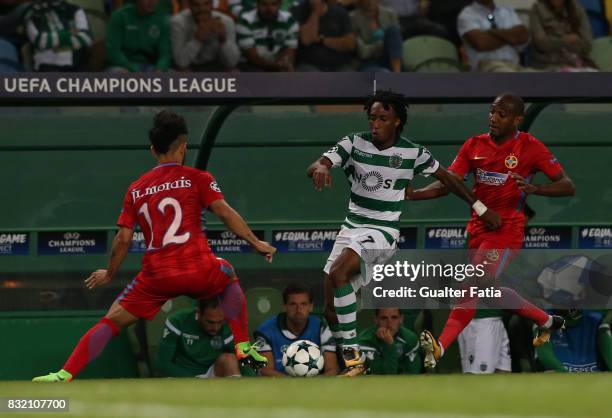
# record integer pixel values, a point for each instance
(511, 161)
(395, 161)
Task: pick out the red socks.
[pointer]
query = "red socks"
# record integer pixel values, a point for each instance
(233, 304)
(91, 345)
(458, 319)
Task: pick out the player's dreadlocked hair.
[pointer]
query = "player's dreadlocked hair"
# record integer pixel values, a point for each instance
(167, 126)
(397, 101)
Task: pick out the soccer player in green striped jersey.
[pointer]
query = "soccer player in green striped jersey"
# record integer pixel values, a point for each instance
(379, 165)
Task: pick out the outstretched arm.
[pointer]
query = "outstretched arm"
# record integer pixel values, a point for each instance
(561, 185)
(234, 222)
(431, 191)
(320, 173)
(121, 245)
(456, 186)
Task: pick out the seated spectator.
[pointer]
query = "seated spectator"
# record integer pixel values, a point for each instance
(492, 36)
(166, 7)
(59, 34)
(236, 7)
(413, 18)
(484, 345)
(203, 39)
(445, 12)
(197, 343)
(327, 41)
(388, 346)
(561, 36)
(379, 41)
(138, 38)
(267, 37)
(296, 323)
(585, 340)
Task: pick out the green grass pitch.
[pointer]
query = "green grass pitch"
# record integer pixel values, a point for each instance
(427, 396)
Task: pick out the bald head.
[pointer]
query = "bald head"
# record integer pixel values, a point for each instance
(505, 116)
(511, 102)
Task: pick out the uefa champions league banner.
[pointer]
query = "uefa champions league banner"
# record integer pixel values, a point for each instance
(72, 242)
(100, 86)
(353, 86)
(220, 241)
(14, 243)
(548, 237)
(536, 237)
(438, 279)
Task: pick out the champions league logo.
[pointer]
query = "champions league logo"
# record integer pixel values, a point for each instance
(395, 161)
(214, 186)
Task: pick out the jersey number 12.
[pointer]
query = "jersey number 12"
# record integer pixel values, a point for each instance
(170, 236)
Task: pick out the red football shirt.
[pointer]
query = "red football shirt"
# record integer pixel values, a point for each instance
(491, 164)
(167, 203)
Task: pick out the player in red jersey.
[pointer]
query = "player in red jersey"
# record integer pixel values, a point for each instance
(167, 203)
(503, 163)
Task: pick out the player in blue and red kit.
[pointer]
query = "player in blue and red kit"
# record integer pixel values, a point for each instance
(167, 203)
(503, 162)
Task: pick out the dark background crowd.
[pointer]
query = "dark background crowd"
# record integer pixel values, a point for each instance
(305, 35)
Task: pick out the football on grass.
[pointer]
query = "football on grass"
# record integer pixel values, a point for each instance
(303, 358)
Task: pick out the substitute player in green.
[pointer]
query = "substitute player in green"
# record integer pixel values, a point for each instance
(197, 342)
(390, 348)
(379, 165)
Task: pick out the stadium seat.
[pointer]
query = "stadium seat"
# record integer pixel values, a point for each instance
(262, 303)
(602, 53)
(430, 54)
(597, 17)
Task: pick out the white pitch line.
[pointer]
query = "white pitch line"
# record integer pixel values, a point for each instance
(151, 410)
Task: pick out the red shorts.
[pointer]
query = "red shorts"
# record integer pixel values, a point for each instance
(495, 249)
(144, 296)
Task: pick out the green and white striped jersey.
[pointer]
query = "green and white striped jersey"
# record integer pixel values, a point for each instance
(378, 179)
(268, 38)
